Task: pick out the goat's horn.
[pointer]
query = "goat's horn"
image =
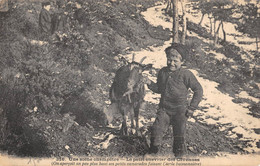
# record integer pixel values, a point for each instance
(133, 57)
(141, 61)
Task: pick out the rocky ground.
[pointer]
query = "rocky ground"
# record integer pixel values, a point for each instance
(71, 119)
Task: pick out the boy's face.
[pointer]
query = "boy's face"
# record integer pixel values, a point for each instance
(174, 60)
(48, 7)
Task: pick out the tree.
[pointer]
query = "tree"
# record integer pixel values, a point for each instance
(217, 11)
(176, 20)
(175, 27)
(204, 6)
(250, 22)
(222, 10)
(168, 8)
(184, 22)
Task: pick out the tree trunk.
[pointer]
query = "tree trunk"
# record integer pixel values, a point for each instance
(175, 28)
(201, 19)
(214, 26)
(184, 27)
(216, 33)
(224, 33)
(168, 6)
(256, 39)
(210, 24)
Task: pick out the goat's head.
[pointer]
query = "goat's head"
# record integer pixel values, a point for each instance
(135, 74)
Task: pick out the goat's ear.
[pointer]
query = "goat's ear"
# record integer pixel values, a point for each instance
(124, 60)
(147, 67)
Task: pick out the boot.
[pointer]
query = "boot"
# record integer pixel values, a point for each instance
(153, 149)
(179, 147)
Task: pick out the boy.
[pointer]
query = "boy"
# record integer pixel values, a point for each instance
(173, 83)
(45, 19)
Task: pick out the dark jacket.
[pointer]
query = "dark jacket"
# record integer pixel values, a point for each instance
(173, 87)
(45, 21)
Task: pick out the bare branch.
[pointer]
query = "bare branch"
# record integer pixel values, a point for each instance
(142, 60)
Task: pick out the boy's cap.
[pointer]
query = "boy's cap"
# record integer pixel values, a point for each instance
(182, 50)
(46, 3)
(173, 53)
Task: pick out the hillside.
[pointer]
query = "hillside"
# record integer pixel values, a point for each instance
(54, 92)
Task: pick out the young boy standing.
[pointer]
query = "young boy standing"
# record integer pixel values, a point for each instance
(173, 83)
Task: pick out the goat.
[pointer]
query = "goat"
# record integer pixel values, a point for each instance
(128, 92)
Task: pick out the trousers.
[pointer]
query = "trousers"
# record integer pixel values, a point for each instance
(164, 119)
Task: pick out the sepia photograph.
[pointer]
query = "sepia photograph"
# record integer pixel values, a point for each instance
(129, 82)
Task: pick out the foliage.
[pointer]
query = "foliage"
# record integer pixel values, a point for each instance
(250, 20)
(222, 9)
(203, 5)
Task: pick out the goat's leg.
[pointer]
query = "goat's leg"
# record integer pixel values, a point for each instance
(136, 113)
(123, 130)
(131, 112)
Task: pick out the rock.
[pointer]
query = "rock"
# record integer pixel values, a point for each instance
(35, 109)
(191, 149)
(218, 154)
(239, 135)
(204, 152)
(258, 144)
(60, 127)
(192, 120)
(108, 102)
(112, 75)
(67, 147)
(116, 58)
